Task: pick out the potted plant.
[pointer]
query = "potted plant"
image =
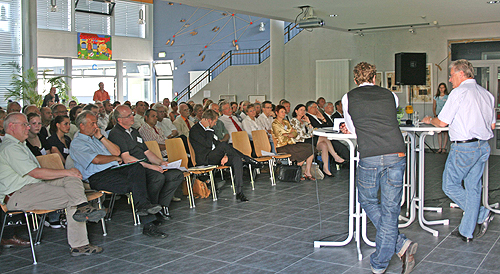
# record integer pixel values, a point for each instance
(25, 85)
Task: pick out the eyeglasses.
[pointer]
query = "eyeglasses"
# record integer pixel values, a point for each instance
(23, 124)
(128, 116)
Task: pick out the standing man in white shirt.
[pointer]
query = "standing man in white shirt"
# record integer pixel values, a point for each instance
(469, 134)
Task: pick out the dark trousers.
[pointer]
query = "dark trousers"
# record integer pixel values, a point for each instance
(123, 180)
(235, 160)
(161, 186)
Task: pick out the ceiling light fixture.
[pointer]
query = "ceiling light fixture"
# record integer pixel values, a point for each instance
(493, 2)
(53, 5)
(262, 27)
(334, 15)
(389, 27)
(361, 34)
(411, 30)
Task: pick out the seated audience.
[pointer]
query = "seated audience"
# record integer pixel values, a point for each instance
(182, 122)
(161, 183)
(231, 123)
(32, 109)
(140, 108)
(72, 104)
(243, 109)
(97, 158)
(207, 104)
(102, 117)
(173, 114)
(210, 151)
(46, 115)
(37, 145)
(24, 185)
(234, 107)
(265, 120)
(319, 121)
(58, 142)
(321, 104)
(338, 110)
(150, 132)
(164, 123)
(108, 107)
(219, 128)
(60, 110)
(301, 123)
(197, 112)
(258, 109)
(285, 142)
(250, 122)
(13, 107)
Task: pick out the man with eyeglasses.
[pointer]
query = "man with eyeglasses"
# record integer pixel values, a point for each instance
(469, 134)
(161, 184)
(164, 123)
(25, 185)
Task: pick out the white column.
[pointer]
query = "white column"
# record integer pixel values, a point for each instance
(119, 81)
(29, 35)
(277, 61)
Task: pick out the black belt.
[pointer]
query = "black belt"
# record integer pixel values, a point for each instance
(467, 141)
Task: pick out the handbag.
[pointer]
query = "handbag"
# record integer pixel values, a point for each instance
(288, 173)
(200, 189)
(315, 171)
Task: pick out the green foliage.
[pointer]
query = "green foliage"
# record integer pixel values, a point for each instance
(24, 85)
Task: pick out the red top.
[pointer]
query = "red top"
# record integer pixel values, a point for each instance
(101, 96)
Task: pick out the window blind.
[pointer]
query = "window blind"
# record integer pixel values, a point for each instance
(126, 16)
(59, 20)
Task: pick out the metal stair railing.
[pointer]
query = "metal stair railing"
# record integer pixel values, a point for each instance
(234, 58)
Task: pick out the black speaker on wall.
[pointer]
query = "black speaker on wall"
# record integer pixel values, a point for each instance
(410, 68)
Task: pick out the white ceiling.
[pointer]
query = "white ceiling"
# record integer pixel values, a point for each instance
(363, 14)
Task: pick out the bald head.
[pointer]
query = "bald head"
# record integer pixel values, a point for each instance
(32, 109)
(184, 110)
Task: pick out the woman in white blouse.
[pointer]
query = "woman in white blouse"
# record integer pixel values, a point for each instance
(250, 122)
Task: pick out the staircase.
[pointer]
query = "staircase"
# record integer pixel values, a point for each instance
(234, 58)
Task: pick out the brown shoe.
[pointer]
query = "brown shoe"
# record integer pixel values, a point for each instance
(85, 250)
(15, 241)
(408, 259)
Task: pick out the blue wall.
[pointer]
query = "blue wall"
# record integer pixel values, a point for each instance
(167, 23)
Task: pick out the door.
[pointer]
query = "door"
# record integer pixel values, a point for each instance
(486, 75)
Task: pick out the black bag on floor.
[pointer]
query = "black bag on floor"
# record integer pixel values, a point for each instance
(286, 173)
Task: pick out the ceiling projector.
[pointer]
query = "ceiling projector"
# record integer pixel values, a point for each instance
(309, 21)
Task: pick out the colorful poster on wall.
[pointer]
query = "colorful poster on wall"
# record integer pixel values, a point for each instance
(94, 46)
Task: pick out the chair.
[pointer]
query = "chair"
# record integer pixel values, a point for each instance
(175, 152)
(261, 143)
(53, 161)
(241, 142)
(27, 213)
(155, 148)
(220, 168)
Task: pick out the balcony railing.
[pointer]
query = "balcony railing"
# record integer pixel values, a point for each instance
(234, 58)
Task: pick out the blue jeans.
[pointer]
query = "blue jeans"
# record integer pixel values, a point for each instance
(466, 162)
(384, 172)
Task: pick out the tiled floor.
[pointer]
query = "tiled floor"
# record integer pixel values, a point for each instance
(273, 233)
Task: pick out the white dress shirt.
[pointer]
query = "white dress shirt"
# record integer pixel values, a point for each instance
(229, 125)
(250, 125)
(166, 126)
(265, 122)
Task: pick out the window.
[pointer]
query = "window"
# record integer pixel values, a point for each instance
(126, 19)
(53, 67)
(92, 23)
(137, 82)
(87, 74)
(10, 43)
(59, 20)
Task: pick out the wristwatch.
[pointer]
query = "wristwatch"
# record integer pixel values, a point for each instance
(100, 138)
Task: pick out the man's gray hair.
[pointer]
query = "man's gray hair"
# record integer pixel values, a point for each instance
(11, 117)
(223, 103)
(82, 118)
(159, 105)
(463, 65)
(327, 103)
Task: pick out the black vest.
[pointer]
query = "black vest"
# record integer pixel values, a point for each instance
(373, 113)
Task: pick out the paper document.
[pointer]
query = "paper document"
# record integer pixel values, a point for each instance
(265, 153)
(173, 165)
(131, 163)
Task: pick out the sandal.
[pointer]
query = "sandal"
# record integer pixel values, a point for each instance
(440, 151)
(444, 150)
(303, 178)
(310, 178)
(85, 250)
